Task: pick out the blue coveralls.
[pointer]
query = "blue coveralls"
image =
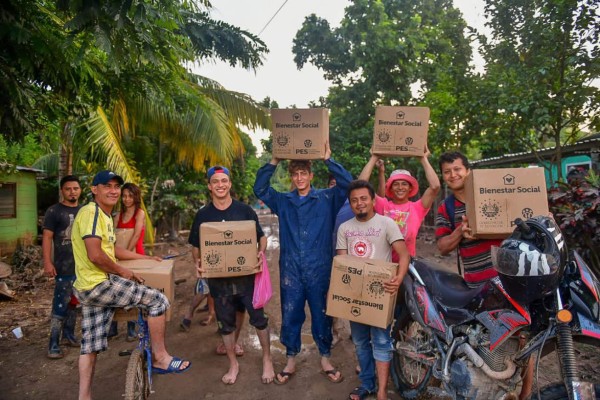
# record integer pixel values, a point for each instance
(305, 228)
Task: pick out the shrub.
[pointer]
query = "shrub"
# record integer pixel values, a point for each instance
(575, 206)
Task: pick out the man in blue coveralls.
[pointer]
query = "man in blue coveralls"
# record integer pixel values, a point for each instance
(306, 220)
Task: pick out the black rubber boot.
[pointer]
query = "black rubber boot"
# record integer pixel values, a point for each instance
(54, 351)
(131, 334)
(112, 331)
(68, 333)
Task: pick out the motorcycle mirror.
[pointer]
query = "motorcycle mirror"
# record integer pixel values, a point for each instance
(525, 229)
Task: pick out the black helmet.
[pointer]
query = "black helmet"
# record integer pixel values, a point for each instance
(532, 259)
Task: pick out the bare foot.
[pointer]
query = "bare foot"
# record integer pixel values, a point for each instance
(208, 320)
(230, 377)
(268, 374)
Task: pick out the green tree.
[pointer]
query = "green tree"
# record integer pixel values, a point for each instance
(541, 65)
(106, 73)
(381, 53)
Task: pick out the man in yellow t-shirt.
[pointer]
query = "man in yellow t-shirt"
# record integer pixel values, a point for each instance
(103, 285)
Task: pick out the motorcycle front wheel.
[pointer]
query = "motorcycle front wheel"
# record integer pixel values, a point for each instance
(411, 377)
(558, 391)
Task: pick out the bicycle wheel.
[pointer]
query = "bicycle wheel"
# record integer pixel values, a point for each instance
(136, 379)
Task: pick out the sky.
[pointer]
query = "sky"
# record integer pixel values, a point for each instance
(279, 77)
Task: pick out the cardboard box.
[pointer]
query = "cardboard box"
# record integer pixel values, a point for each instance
(157, 275)
(496, 197)
(228, 249)
(356, 290)
(400, 131)
(123, 236)
(300, 134)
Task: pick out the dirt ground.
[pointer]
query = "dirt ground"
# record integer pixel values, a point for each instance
(26, 373)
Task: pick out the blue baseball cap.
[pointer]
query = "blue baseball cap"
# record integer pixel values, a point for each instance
(216, 170)
(103, 177)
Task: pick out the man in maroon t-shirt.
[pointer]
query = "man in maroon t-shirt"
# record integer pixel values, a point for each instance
(453, 231)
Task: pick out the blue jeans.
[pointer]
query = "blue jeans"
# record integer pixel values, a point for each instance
(372, 344)
(63, 288)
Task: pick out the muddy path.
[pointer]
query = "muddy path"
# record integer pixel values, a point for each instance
(26, 373)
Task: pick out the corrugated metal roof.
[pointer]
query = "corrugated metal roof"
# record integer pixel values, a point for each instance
(29, 169)
(588, 145)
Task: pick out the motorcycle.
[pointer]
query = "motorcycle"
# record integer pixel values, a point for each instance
(477, 342)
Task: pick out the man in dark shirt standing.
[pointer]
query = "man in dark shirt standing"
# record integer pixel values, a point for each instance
(56, 236)
(230, 294)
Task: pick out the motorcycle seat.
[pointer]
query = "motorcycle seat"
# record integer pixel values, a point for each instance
(447, 288)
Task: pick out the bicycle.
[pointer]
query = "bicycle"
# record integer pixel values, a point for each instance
(138, 379)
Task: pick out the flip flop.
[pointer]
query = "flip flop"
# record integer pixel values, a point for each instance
(330, 374)
(173, 367)
(360, 392)
(285, 377)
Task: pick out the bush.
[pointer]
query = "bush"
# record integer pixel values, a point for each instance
(575, 206)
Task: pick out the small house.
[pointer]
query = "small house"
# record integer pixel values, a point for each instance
(18, 206)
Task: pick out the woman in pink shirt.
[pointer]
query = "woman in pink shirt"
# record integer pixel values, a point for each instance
(399, 188)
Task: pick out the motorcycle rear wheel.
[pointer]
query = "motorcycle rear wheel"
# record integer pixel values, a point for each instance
(558, 391)
(411, 377)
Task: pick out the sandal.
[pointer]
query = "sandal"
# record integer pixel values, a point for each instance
(330, 374)
(362, 394)
(173, 368)
(285, 377)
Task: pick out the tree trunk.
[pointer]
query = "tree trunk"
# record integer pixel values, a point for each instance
(65, 162)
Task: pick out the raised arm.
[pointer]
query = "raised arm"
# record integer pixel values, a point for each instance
(365, 174)
(262, 184)
(432, 178)
(380, 178)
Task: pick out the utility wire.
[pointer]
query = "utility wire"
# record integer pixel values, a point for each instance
(274, 15)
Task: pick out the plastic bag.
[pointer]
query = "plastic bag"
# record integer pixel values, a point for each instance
(262, 285)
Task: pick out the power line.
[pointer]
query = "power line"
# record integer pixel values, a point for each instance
(274, 15)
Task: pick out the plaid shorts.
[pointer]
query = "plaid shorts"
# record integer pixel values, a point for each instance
(99, 303)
